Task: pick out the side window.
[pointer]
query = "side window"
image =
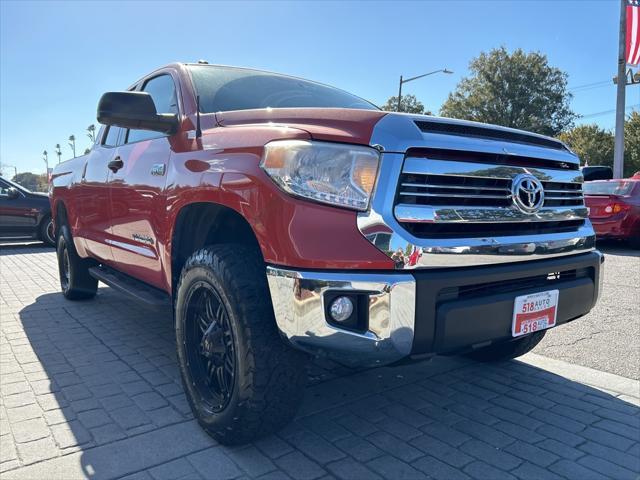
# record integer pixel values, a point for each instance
(111, 137)
(163, 92)
(4, 189)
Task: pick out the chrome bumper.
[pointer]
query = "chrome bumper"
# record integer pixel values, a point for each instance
(298, 303)
(427, 311)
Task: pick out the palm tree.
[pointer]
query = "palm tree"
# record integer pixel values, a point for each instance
(58, 151)
(91, 133)
(72, 144)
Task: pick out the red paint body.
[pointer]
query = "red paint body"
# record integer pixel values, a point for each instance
(126, 219)
(616, 216)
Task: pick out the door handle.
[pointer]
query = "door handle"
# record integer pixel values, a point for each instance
(115, 164)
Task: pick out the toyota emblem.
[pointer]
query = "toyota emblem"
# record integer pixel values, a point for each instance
(527, 193)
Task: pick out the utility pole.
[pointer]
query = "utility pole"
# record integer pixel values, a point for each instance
(618, 150)
(15, 169)
(402, 80)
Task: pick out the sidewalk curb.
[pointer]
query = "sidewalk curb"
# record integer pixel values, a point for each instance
(585, 375)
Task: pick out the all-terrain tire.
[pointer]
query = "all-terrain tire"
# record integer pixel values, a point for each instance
(507, 350)
(269, 378)
(75, 281)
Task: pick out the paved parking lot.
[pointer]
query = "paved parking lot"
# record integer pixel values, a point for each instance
(91, 390)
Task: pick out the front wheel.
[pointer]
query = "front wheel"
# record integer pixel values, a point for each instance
(507, 350)
(47, 232)
(242, 381)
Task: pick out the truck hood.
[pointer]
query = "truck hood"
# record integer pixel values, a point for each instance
(330, 124)
(399, 131)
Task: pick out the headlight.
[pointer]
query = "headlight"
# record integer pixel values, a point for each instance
(333, 173)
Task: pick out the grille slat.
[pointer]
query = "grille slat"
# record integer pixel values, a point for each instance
(568, 197)
(455, 195)
(453, 187)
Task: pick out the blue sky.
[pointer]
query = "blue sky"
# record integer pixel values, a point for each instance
(57, 58)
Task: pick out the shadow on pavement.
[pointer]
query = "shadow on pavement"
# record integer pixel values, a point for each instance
(13, 248)
(617, 248)
(110, 392)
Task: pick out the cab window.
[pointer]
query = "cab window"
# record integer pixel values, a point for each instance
(110, 139)
(163, 92)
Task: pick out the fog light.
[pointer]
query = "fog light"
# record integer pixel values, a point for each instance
(341, 309)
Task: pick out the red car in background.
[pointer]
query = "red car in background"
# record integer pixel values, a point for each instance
(614, 208)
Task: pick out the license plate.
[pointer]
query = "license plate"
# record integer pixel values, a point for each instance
(534, 312)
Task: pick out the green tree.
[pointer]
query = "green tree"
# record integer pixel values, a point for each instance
(27, 179)
(593, 144)
(519, 90)
(408, 104)
(632, 144)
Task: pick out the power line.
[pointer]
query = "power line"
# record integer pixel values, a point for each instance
(594, 87)
(578, 87)
(607, 112)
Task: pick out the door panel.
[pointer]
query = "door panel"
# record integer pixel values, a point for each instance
(137, 203)
(18, 216)
(92, 196)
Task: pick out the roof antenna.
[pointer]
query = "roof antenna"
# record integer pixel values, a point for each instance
(198, 129)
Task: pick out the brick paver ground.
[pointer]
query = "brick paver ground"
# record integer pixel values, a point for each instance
(91, 389)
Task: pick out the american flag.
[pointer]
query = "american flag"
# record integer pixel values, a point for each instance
(633, 32)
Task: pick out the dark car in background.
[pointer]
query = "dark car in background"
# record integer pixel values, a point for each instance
(596, 172)
(24, 214)
(614, 209)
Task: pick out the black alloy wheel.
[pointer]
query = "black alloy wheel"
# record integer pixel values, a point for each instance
(241, 380)
(209, 347)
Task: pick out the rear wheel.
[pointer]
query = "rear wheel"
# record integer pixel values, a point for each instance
(47, 231)
(507, 350)
(242, 381)
(75, 281)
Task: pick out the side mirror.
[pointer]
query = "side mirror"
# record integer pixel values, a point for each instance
(12, 193)
(134, 110)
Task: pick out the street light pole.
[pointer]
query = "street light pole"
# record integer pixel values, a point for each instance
(402, 80)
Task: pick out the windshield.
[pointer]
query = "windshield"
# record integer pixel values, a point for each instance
(228, 88)
(621, 187)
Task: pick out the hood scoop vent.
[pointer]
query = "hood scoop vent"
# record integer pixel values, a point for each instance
(428, 126)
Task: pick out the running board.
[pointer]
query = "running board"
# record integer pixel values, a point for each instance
(151, 296)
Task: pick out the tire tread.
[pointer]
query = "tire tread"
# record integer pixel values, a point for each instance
(274, 377)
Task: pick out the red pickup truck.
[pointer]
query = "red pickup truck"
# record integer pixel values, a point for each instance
(281, 218)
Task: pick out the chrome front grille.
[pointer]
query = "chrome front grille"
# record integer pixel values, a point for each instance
(558, 194)
(443, 196)
(455, 199)
(419, 189)
(428, 189)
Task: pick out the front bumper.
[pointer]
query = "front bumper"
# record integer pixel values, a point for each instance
(425, 311)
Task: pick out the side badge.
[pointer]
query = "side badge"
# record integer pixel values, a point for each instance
(158, 169)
